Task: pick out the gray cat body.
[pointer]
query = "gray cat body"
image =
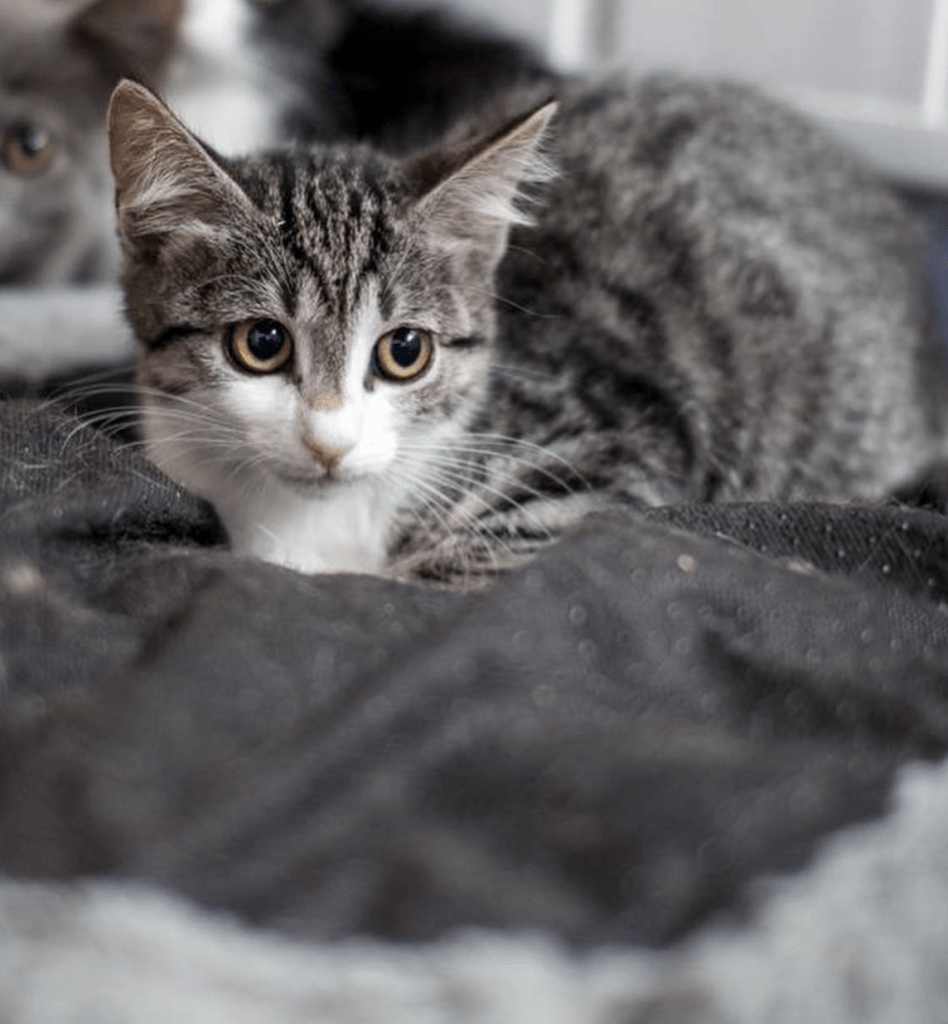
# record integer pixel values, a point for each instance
(387, 365)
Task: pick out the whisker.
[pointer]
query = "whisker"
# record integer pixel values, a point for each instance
(503, 300)
(469, 489)
(509, 442)
(453, 476)
(524, 372)
(462, 467)
(444, 507)
(476, 449)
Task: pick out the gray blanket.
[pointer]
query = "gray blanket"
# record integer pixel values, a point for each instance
(859, 939)
(632, 782)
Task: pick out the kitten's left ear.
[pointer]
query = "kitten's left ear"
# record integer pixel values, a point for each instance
(472, 194)
(168, 185)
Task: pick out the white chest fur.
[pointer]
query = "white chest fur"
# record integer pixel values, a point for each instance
(340, 532)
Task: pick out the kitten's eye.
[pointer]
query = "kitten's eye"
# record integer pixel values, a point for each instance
(404, 353)
(27, 150)
(261, 346)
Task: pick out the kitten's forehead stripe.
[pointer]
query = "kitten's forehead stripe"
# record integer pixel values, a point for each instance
(290, 227)
(289, 295)
(335, 224)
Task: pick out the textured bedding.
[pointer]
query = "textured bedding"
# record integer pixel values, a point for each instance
(682, 768)
(859, 937)
(687, 768)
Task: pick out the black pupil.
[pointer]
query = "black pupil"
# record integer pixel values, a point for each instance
(406, 347)
(31, 140)
(265, 340)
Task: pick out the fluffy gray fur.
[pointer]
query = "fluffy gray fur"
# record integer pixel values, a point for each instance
(714, 303)
(54, 171)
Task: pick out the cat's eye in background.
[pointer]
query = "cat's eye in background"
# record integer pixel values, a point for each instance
(404, 353)
(26, 149)
(261, 346)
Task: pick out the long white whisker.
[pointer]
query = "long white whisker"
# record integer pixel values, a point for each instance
(444, 458)
(453, 476)
(506, 442)
(461, 470)
(464, 517)
(476, 526)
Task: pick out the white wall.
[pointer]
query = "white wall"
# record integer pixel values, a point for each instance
(869, 47)
(876, 71)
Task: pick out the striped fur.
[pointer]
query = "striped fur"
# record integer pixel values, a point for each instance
(714, 303)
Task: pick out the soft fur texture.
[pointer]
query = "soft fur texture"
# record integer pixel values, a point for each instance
(859, 940)
(715, 303)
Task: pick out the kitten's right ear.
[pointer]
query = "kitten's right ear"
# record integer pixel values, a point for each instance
(472, 193)
(166, 182)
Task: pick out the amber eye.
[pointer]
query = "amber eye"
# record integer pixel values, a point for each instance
(27, 150)
(261, 346)
(404, 353)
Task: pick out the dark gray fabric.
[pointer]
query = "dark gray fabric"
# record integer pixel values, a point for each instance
(610, 744)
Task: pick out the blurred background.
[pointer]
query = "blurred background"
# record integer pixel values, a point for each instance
(876, 71)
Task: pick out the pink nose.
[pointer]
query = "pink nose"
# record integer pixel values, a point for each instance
(325, 454)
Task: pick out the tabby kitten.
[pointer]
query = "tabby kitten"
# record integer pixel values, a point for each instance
(384, 366)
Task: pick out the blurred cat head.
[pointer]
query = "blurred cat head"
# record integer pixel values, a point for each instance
(59, 61)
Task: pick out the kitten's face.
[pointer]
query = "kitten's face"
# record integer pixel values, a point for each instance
(59, 60)
(320, 319)
(321, 330)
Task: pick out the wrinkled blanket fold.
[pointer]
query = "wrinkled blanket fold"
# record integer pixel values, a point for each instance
(611, 745)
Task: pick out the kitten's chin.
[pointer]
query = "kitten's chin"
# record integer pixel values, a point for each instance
(317, 485)
(310, 484)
